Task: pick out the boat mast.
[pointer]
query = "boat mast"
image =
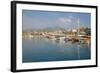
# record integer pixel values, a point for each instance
(78, 22)
(78, 26)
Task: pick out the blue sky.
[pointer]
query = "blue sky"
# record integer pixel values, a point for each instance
(43, 19)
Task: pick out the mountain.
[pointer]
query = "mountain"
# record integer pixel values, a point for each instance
(48, 29)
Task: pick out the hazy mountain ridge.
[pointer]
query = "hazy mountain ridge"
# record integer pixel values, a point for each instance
(48, 29)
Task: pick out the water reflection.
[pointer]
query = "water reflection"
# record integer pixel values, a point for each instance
(42, 49)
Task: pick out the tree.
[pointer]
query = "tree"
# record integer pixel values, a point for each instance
(88, 31)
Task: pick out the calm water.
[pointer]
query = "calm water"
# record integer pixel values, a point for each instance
(42, 50)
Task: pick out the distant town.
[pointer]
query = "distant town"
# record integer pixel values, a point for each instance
(82, 35)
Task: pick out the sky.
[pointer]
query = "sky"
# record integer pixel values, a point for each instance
(32, 19)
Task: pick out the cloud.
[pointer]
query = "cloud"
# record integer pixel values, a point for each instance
(65, 20)
(71, 17)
